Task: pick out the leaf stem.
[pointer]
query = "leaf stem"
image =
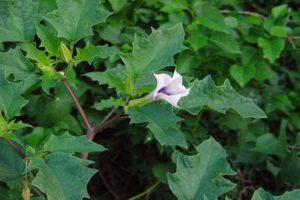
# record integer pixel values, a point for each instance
(146, 192)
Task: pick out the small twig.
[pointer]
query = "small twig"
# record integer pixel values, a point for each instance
(103, 125)
(244, 13)
(105, 182)
(146, 192)
(92, 135)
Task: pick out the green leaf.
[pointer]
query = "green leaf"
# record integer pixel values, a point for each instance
(17, 20)
(219, 98)
(11, 101)
(272, 48)
(114, 77)
(201, 176)
(211, 18)
(161, 121)
(50, 77)
(154, 52)
(37, 55)
(8, 127)
(226, 42)
(11, 164)
(73, 19)
(269, 144)
(68, 143)
(13, 62)
(279, 31)
(65, 52)
(250, 56)
(61, 176)
(171, 6)
(48, 38)
(46, 6)
(117, 4)
(231, 22)
(279, 11)
(196, 39)
(261, 194)
(242, 74)
(108, 103)
(90, 52)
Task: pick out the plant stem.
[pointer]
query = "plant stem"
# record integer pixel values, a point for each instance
(16, 148)
(103, 124)
(146, 192)
(34, 190)
(78, 106)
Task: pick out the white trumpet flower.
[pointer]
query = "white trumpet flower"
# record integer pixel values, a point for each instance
(169, 88)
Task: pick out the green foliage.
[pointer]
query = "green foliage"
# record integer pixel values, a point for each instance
(90, 52)
(11, 164)
(260, 194)
(11, 101)
(220, 98)
(79, 74)
(200, 176)
(68, 143)
(18, 20)
(211, 18)
(155, 52)
(161, 121)
(13, 62)
(73, 20)
(271, 47)
(108, 103)
(61, 176)
(48, 38)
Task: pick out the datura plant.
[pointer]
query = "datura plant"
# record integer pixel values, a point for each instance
(162, 99)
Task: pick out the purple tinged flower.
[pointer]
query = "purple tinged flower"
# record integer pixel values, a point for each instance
(169, 88)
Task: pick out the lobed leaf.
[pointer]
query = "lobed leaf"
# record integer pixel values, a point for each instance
(17, 20)
(61, 176)
(73, 19)
(13, 62)
(90, 52)
(11, 101)
(261, 194)
(113, 77)
(108, 103)
(219, 98)
(68, 143)
(154, 52)
(161, 121)
(201, 176)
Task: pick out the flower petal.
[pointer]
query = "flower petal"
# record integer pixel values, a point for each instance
(162, 81)
(172, 99)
